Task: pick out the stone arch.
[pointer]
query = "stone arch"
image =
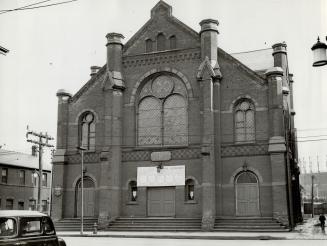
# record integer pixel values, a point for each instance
(246, 96)
(239, 170)
(193, 178)
(128, 182)
(78, 178)
(158, 70)
(81, 112)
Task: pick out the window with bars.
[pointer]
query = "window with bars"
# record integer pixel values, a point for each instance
(246, 178)
(162, 112)
(244, 121)
(87, 131)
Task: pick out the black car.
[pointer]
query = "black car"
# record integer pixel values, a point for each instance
(30, 228)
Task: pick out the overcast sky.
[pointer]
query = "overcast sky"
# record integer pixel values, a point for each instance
(54, 47)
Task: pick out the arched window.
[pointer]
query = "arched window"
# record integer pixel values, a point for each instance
(162, 112)
(244, 122)
(246, 178)
(172, 42)
(87, 131)
(189, 190)
(161, 42)
(132, 191)
(148, 45)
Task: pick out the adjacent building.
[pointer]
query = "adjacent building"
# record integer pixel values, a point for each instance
(174, 126)
(19, 181)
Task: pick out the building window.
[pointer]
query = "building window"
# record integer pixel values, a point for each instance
(44, 179)
(189, 190)
(34, 179)
(246, 178)
(173, 42)
(22, 177)
(132, 191)
(44, 205)
(162, 112)
(244, 122)
(21, 205)
(4, 175)
(87, 131)
(161, 42)
(148, 45)
(10, 204)
(32, 205)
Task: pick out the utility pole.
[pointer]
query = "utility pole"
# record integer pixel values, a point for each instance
(42, 141)
(312, 206)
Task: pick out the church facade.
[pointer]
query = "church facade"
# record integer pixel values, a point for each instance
(174, 126)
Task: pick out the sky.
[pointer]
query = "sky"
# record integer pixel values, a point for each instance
(53, 48)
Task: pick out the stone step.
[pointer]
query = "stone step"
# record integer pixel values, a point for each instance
(252, 229)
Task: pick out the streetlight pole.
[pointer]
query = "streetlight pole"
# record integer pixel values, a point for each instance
(312, 195)
(82, 186)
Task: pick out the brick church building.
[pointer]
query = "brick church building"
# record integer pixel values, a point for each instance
(174, 126)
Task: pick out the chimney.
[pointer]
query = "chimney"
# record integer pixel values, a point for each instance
(94, 70)
(114, 58)
(34, 150)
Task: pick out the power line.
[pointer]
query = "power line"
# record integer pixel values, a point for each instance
(43, 6)
(33, 4)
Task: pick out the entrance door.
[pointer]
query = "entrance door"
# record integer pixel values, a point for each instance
(247, 195)
(161, 201)
(89, 195)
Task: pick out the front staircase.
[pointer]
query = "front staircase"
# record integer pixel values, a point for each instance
(249, 224)
(155, 224)
(74, 224)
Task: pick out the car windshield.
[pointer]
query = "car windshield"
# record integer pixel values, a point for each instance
(8, 227)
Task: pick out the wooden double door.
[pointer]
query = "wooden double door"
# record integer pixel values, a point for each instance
(161, 202)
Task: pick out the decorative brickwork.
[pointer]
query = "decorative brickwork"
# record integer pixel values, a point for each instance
(194, 153)
(164, 58)
(244, 150)
(88, 158)
(136, 156)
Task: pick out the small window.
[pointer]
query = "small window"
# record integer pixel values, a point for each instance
(8, 227)
(32, 205)
(172, 42)
(189, 190)
(34, 179)
(133, 191)
(44, 179)
(21, 205)
(22, 177)
(4, 175)
(44, 206)
(31, 226)
(161, 42)
(9, 204)
(148, 45)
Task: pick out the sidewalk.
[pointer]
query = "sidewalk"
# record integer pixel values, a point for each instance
(304, 231)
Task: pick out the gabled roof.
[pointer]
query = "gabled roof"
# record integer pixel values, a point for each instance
(17, 159)
(161, 8)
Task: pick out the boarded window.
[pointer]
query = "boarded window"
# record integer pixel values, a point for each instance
(173, 42)
(162, 112)
(161, 42)
(175, 121)
(244, 122)
(149, 122)
(148, 45)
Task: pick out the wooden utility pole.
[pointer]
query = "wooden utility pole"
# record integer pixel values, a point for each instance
(42, 141)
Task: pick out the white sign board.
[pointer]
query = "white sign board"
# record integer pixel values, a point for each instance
(167, 176)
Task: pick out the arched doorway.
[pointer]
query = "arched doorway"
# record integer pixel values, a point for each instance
(247, 194)
(89, 197)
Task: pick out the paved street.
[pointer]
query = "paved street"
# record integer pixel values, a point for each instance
(98, 241)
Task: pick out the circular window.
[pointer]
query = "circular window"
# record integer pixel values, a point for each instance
(88, 118)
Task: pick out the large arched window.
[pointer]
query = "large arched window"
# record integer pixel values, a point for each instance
(162, 112)
(244, 121)
(87, 131)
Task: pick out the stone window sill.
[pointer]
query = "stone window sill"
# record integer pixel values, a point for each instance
(132, 203)
(191, 202)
